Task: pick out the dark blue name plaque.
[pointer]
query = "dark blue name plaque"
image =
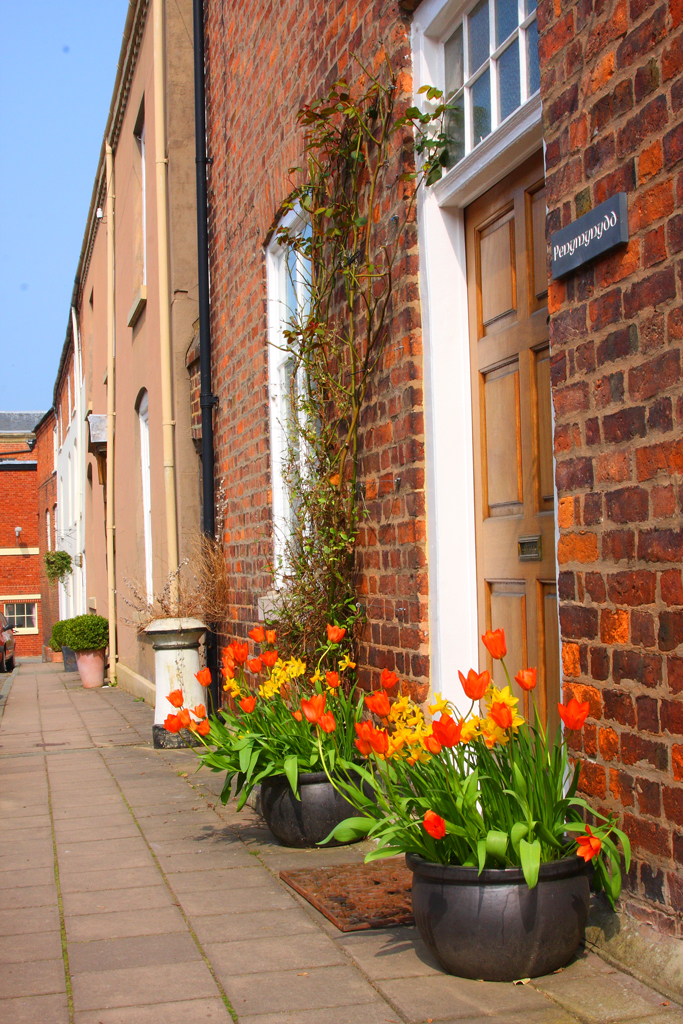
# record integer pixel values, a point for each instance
(591, 235)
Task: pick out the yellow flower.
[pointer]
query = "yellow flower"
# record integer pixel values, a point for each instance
(317, 677)
(439, 704)
(230, 686)
(501, 709)
(295, 668)
(346, 663)
(470, 729)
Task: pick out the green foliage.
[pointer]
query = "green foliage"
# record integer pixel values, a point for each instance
(58, 565)
(57, 640)
(86, 633)
(347, 256)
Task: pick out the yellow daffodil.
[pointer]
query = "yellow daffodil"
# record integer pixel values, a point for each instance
(295, 668)
(440, 704)
(470, 729)
(317, 677)
(346, 663)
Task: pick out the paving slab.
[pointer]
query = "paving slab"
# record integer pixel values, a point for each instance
(51, 1009)
(193, 1011)
(136, 986)
(120, 924)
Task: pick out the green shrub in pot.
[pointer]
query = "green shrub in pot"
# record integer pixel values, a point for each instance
(57, 640)
(87, 633)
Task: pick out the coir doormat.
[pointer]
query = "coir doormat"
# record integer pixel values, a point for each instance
(357, 896)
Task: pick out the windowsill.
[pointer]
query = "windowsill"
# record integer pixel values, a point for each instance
(139, 303)
(25, 630)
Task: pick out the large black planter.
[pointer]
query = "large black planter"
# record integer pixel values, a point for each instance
(308, 821)
(492, 926)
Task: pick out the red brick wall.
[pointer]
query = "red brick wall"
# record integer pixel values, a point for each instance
(262, 67)
(612, 93)
(47, 499)
(19, 574)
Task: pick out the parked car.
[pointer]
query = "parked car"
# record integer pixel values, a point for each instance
(6, 645)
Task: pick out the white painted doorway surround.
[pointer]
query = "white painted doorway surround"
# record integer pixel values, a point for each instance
(443, 291)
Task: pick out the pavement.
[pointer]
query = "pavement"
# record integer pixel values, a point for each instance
(130, 895)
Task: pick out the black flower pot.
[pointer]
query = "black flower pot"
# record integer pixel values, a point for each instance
(305, 822)
(492, 926)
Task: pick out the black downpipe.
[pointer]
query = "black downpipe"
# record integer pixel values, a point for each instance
(207, 399)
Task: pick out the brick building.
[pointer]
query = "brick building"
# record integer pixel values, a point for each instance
(20, 592)
(46, 470)
(522, 459)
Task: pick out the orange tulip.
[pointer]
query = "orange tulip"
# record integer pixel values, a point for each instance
(432, 745)
(434, 825)
(574, 713)
(184, 718)
(240, 651)
(257, 634)
(203, 677)
(501, 714)
(447, 731)
(378, 703)
(332, 679)
(270, 636)
(269, 658)
(255, 666)
(327, 722)
(248, 704)
(526, 678)
(313, 708)
(494, 642)
(589, 845)
(387, 679)
(228, 664)
(203, 728)
(476, 684)
(297, 715)
(199, 711)
(172, 723)
(370, 738)
(175, 698)
(335, 633)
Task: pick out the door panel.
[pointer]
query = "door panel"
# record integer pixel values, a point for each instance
(513, 462)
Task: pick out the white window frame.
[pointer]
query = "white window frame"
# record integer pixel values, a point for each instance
(47, 528)
(143, 184)
(279, 396)
(454, 623)
(145, 471)
(22, 630)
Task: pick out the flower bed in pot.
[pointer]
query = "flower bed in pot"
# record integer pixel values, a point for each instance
(485, 808)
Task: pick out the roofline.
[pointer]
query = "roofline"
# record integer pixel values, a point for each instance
(130, 46)
(43, 418)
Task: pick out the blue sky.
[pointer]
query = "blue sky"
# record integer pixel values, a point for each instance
(57, 69)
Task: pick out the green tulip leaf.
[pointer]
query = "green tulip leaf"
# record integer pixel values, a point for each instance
(530, 856)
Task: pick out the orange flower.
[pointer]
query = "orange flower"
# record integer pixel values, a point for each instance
(172, 724)
(270, 636)
(387, 679)
(314, 707)
(332, 679)
(327, 722)
(184, 718)
(203, 677)
(432, 745)
(476, 684)
(378, 703)
(257, 634)
(574, 713)
(335, 479)
(526, 678)
(228, 664)
(434, 825)
(494, 642)
(255, 666)
(248, 704)
(335, 633)
(589, 845)
(199, 711)
(203, 727)
(501, 714)
(269, 658)
(370, 738)
(240, 652)
(447, 731)
(297, 715)
(175, 698)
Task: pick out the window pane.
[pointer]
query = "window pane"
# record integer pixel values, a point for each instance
(455, 130)
(506, 19)
(534, 71)
(530, 6)
(508, 79)
(481, 107)
(453, 61)
(478, 25)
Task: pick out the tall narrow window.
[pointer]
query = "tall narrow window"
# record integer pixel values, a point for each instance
(287, 298)
(143, 184)
(47, 529)
(143, 416)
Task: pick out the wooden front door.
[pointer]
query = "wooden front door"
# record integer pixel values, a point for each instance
(513, 456)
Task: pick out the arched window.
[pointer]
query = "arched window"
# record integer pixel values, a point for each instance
(143, 417)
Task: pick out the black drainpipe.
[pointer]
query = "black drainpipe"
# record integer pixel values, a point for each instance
(207, 399)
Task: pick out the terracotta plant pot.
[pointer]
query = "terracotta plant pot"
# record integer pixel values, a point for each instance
(491, 926)
(303, 823)
(91, 668)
